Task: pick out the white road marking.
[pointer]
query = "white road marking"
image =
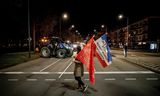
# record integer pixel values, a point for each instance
(50, 65)
(94, 69)
(50, 79)
(65, 72)
(151, 78)
(12, 79)
(66, 68)
(130, 79)
(86, 79)
(125, 72)
(12, 72)
(40, 72)
(108, 72)
(31, 79)
(69, 79)
(109, 79)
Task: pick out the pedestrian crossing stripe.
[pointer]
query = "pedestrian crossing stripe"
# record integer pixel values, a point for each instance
(108, 72)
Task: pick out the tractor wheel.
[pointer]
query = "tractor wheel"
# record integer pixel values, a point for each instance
(69, 53)
(61, 53)
(45, 52)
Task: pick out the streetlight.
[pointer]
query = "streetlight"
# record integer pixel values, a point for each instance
(29, 35)
(120, 16)
(64, 17)
(71, 33)
(102, 26)
(72, 26)
(76, 31)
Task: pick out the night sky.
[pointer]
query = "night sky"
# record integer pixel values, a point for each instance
(85, 14)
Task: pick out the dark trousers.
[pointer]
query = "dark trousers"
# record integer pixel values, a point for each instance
(80, 82)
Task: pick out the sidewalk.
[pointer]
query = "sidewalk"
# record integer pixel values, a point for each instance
(147, 60)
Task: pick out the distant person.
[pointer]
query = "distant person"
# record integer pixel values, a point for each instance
(79, 72)
(125, 50)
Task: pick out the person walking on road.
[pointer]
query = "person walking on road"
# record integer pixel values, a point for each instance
(125, 50)
(79, 72)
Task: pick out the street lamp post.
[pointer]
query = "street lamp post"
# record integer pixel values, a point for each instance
(121, 17)
(64, 17)
(76, 37)
(104, 29)
(29, 35)
(127, 29)
(71, 30)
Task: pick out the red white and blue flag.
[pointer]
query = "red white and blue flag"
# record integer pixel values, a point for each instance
(103, 52)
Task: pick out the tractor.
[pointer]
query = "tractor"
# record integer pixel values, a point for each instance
(56, 48)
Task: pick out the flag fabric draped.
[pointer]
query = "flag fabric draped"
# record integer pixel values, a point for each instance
(86, 57)
(103, 51)
(98, 48)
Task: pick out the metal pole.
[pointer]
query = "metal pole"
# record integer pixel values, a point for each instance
(29, 37)
(127, 29)
(60, 28)
(34, 36)
(158, 45)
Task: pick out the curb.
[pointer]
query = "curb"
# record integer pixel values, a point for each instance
(142, 65)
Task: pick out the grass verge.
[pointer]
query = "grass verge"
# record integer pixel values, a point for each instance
(11, 59)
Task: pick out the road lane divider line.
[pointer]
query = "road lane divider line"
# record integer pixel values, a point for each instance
(12, 79)
(50, 65)
(109, 79)
(50, 79)
(31, 79)
(130, 79)
(152, 79)
(66, 67)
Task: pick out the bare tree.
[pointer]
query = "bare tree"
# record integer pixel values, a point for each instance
(47, 26)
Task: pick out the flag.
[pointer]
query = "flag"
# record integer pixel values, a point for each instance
(99, 48)
(103, 51)
(86, 57)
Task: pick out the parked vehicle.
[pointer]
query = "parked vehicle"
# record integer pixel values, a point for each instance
(57, 48)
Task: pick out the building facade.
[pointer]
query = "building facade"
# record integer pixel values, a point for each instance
(143, 34)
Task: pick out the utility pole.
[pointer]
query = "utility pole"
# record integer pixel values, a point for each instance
(127, 35)
(63, 17)
(34, 36)
(29, 37)
(127, 29)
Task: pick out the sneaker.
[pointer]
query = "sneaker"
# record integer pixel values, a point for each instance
(85, 88)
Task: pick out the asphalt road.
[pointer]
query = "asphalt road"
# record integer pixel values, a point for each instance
(54, 77)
